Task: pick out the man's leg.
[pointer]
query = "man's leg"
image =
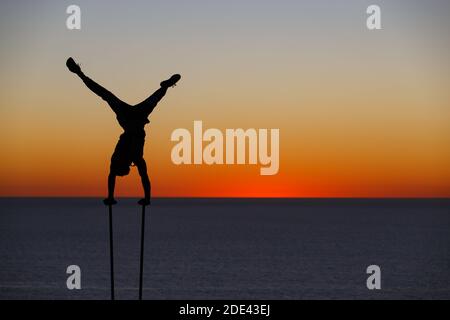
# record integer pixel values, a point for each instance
(98, 89)
(106, 95)
(142, 168)
(150, 103)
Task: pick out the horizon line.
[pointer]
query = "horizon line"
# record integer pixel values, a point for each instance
(237, 198)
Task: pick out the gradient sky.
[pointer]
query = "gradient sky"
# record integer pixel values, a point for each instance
(361, 113)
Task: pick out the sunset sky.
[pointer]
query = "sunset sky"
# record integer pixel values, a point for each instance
(361, 113)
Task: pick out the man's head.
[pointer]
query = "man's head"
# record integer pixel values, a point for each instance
(122, 171)
(120, 168)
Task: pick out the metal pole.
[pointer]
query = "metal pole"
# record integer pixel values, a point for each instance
(111, 251)
(141, 266)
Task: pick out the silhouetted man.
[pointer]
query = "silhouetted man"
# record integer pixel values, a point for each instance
(130, 148)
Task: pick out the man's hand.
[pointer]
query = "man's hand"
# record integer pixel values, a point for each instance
(109, 201)
(144, 202)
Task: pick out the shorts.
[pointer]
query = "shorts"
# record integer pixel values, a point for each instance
(129, 149)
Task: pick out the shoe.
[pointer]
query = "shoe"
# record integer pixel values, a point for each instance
(109, 201)
(72, 66)
(171, 82)
(144, 202)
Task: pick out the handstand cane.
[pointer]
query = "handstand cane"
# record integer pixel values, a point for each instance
(111, 251)
(141, 266)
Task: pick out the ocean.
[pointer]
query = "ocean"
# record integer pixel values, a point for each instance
(227, 248)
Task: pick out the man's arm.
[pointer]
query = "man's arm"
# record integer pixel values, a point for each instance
(142, 168)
